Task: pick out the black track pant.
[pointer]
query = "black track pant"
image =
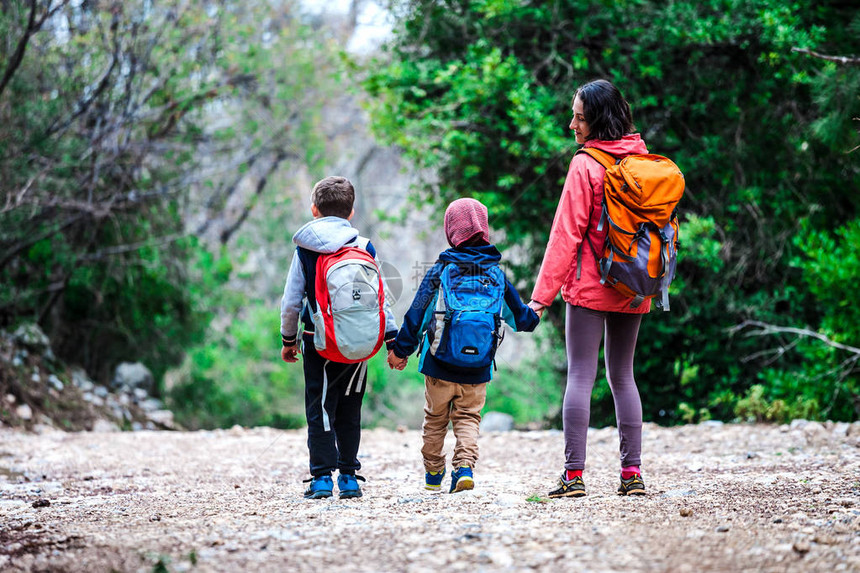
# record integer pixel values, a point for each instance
(333, 395)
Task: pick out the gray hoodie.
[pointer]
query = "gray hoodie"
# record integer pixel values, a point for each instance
(323, 235)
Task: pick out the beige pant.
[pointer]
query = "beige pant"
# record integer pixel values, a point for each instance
(461, 404)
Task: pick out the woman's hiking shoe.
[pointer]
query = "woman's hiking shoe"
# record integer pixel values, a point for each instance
(461, 479)
(573, 487)
(348, 485)
(433, 480)
(319, 488)
(632, 486)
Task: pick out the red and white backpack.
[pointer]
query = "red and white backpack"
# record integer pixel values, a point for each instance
(349, 321)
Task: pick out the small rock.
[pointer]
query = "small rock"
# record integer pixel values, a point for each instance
(81, 380)
(798, 424)
(163, 417)
(814, 430)
(497, 422)
(10, 399)
(801, 547)
(31, 336)
(24, 412)
(104, 426)
(41, 503)
(155, 517)
(685, 512)
(723, 528)
(237, 430)
(841, 429)
(132, 375)
(679, 493)
(56, 382)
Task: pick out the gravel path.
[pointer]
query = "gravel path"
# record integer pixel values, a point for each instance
(720, 498)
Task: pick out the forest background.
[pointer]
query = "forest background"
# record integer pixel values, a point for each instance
(156, 157)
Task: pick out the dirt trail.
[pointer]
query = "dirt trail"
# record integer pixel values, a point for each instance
(721, 498)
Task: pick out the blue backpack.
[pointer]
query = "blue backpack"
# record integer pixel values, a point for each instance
(468, 313)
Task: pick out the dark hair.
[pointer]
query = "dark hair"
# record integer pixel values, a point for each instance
(606, 111)
(334, 197)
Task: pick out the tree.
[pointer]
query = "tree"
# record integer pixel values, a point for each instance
(479, 93)
(118, 119)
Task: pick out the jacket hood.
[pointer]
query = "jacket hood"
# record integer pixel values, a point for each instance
(325, 235)
(627, 145)
(485, 254)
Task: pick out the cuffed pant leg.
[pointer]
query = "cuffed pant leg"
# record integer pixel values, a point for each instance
(466, 420)
(437, 408)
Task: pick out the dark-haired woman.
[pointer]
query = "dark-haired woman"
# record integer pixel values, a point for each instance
(601, 119)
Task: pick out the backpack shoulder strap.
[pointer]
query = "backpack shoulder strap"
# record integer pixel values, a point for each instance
(361, 242)
(605, 158)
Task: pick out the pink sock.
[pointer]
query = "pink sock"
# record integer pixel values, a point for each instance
(570, 474)
(629, 472)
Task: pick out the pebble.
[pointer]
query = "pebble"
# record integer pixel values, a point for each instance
(801, 547)
(685, 512)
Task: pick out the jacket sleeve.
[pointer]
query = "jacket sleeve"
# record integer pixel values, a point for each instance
(568, 230)
(291, 303)
(390, 320)
(409, 336)
(524, 319)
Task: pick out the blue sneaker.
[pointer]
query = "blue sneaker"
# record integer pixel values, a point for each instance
(461, 479)
(348, 485)
(319, 488)
(433, 480)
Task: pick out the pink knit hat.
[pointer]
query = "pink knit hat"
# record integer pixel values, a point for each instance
(466, 219)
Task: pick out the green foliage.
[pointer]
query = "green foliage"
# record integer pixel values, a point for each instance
(112, 132)
(237, 377)
(528, 389)
(478, 93)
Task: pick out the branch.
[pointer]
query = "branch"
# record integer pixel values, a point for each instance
(18, 55)
(33, 26)
(844, 60)
(765, 329)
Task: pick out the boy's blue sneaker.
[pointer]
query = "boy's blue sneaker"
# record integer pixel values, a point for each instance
(433, 480)
(319, 488)
(461, 479)
(348, 485)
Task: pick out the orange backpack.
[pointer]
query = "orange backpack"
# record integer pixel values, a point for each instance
(640, 195)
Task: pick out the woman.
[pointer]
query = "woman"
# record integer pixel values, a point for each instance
(601, 119)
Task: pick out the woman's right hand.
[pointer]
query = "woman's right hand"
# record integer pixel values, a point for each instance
(537, 307)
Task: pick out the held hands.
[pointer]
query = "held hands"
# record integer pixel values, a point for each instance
(537, 307)
(396, 363)
(290, 353)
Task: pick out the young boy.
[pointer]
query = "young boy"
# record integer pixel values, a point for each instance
(333, 390)
(457, 392)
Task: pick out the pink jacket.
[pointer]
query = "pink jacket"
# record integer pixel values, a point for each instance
(578, 213)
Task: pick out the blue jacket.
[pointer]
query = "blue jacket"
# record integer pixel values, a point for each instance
(515, 313)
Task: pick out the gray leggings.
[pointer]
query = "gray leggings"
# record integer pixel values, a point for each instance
(584, 329)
